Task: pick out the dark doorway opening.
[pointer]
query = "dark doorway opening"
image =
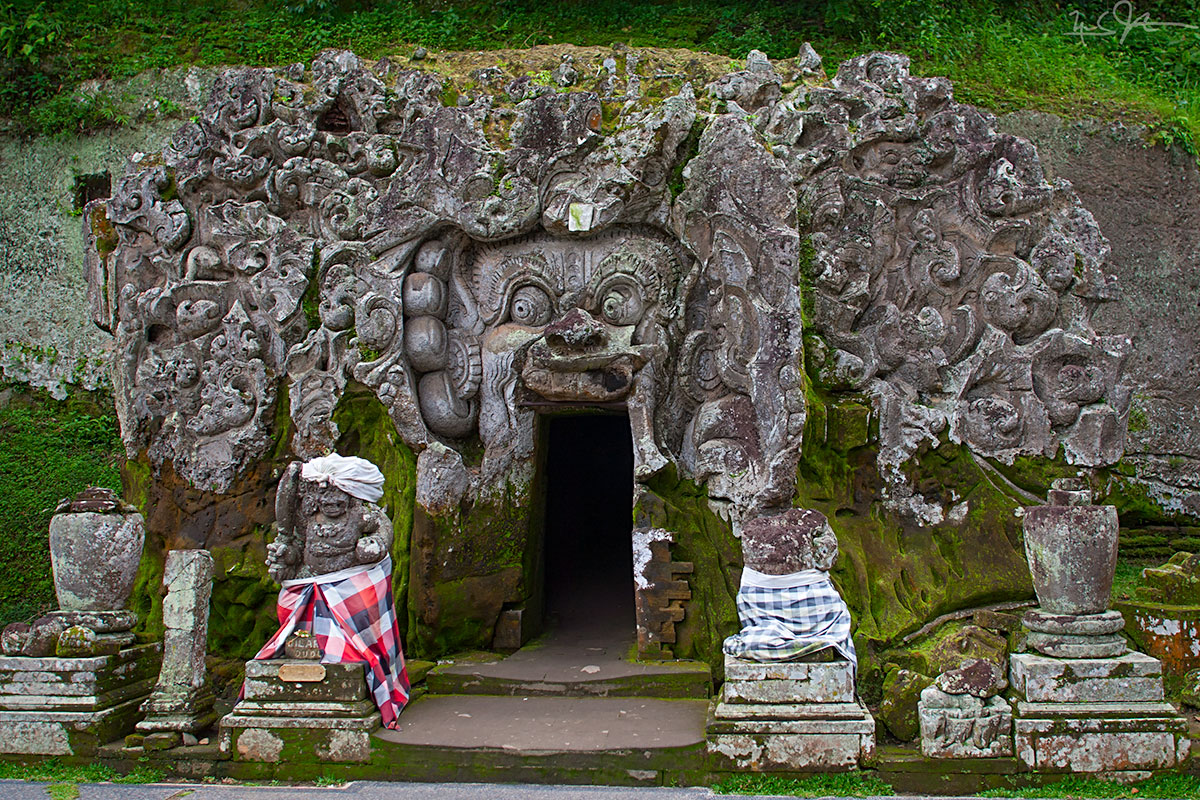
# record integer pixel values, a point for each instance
(589, 508)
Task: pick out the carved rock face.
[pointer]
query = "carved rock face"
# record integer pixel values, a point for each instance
(472, 264)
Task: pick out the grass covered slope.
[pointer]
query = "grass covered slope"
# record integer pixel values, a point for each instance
(49, 449)
(1001, 54)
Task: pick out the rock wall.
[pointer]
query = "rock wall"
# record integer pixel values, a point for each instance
(417, 261)
(1147, 201)
(46, 334)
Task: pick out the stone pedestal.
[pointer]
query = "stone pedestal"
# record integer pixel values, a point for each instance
(964, 726)
(296, 710)
(1095, 714)
(71, 706)
(182, 701)
(790, 716)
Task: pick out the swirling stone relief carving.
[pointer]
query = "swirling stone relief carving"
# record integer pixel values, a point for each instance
(950, 278)
(336, 222)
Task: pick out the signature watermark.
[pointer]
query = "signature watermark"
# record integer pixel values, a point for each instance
(1120, 21)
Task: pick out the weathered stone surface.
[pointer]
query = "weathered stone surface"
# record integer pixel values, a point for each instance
(182, 700)
(95, 556)
(330, 719)
(790, 716)
(64, 706)
(1175, 583)
(964, 726)
(1133, 677)
(1167, 632)
(77, 641)
(966, 644)
(978, 678)
(798, 539)
(901, 694)
(335, 226)
(1065, 645)
(1100, 737)
(342, 683)
(1147, 202)
(1073, 555)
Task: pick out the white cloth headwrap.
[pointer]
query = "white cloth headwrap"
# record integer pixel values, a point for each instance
(353, 475)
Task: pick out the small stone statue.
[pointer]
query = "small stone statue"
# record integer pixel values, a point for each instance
(326, 520)
(788, 606)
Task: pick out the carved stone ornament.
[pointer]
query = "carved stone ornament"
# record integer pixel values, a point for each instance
(337, 223)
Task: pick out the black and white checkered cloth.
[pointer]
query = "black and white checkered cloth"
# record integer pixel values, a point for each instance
(781, 623)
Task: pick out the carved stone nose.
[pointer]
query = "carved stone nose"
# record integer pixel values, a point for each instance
(577, 330)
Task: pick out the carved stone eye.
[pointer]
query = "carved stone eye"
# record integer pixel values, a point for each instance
(531, 306)
(622, 304)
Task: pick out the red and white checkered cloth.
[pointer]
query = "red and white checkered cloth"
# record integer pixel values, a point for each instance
(354, 619)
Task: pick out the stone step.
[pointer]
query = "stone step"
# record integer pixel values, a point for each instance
(599, 740)
(573, 675)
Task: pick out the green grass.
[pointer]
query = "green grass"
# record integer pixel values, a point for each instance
(844, 784)
(1164, 786)
(49, 450)
(54, 771)
(1129, 576)
(1002, 54)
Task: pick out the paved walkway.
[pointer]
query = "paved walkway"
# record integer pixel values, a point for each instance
(367, 790)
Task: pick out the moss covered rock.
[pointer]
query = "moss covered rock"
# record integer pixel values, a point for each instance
(901, 693)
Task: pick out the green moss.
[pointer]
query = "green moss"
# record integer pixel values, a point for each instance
(705, 540)
(846, 784)
(897, 575)
(311, 302)
(49, 449)
(367, 431)
(687, 151)
(242, 613)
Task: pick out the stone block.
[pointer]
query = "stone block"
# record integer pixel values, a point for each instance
(255, 738)
(1100, 737)
(791, 736)
(344, 683)
(1170, 633)
(74, 732)
(964, 726)
(1133, 677)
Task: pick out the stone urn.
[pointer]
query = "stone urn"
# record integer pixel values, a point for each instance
(95, 547)
(1072, 550)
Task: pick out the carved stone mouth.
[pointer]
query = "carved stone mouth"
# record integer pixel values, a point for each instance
(608, 381)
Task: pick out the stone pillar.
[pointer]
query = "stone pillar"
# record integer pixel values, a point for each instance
(1084, 703)
(182, 701)
(799, 713)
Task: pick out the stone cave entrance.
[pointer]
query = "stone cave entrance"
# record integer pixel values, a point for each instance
(588, 553)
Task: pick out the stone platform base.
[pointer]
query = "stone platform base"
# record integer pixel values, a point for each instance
(72, 706)
(791, 716)
(1100, 737)
(1095, 715)
(298, 709)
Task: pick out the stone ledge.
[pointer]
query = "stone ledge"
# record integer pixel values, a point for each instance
(272, 710)
(75, 665)
(738, 669)
(788, 711)
(1133, 677)
(1098, 712)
